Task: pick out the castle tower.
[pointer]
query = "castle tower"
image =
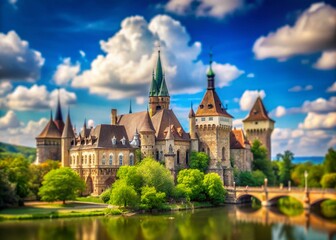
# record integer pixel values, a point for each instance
(158, 94)
(213, 126)
(192, 130)
(68, 136)
(258, 125)
(58, 116)
(170, 160)
(147, 137)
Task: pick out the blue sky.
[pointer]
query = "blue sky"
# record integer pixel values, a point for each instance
(101, 55)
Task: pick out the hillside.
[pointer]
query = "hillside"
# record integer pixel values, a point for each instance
(14, 150)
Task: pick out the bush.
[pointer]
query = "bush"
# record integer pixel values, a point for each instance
(329, 180)
(214, 188)
(191, 181)
(151, 199)
(105, 196)
(199, 160)
(123, 194)
(328, 208)
(180, 194)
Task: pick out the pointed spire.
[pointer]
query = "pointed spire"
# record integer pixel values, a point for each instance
(163, 88)
(211, 74)
(191, 112)
(130, 106)
(147, 125)
(68, 131)
(58, 115)
(158, 72)
(51, 115)
(153, 88)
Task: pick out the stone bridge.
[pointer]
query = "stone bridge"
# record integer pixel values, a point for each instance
(270, 195)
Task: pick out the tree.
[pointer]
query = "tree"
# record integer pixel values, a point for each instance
(8, 196)
(329, 180)
(191, 180)
(151, 199)
(214, 188)
(37, 172)
(61, 184)
(132, 177)
(285, 166)
(258, 178)
(199, 160)
(123, 194)
(329, 162)
(255, 178)
(105, 196)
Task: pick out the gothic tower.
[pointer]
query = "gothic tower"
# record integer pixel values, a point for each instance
(68, 137)
(58, 116)
(158, 93)
(147, 136)
(258, 125)
(213, 126)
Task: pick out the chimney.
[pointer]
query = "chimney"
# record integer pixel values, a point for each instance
(114, 116)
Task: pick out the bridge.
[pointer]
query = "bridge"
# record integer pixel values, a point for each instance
(269, 196)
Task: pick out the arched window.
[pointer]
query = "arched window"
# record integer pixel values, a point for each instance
(223, 153)
(208, 152)
(120, 159)
(103, 159)
(187, 157)
(77, 160)
(93, 158)
(111, 159)
(90, 159)
(85, 159)
(157, 155)
(131, 157)
(71, 160)
(82, 159)
(178, 156)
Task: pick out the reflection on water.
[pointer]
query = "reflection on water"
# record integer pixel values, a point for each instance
(229, 222)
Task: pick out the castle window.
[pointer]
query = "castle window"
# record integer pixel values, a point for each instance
(90, 159)
(256, 122)
(111, 159)
(123, 141)
(210, 118)
(114, 140)
(157, 155)
(103, 159)
(131, 159)
(178, 156)
(93, 159)
(201, 106)
(85, 159)
(202, 119)
(210, 106)
(120, 159)
(223, 153)
(208, 152)
(187, 157)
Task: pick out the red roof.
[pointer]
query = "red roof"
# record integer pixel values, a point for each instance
(258, 112)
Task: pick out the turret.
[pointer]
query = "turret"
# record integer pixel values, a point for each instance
(170, 160)
(68, 137)
(192, 123)
(147, 136)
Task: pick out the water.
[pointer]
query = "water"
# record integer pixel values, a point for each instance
(228, 222)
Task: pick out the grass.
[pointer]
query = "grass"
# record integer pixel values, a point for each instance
(43, 210)
(90, 199)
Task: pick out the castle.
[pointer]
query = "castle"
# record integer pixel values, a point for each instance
(97, 153)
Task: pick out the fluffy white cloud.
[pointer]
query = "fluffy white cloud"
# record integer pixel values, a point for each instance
(279, 111)
(300, 88)
(250, 75)
(91, 123)
(332, 88)
(66, 72)
(326, 61)
(249, 97)
(238, 123)
(319, 121)
(22, 134)
(129, 58)
(302, 142)
(5, 87)
(17, 60)
(82, 53)
(314, 31)
(209, 8)
(37, 98)
(9, 121)
(320, 105)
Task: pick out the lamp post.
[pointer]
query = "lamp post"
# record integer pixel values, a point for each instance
(265, 181)
(306, 180)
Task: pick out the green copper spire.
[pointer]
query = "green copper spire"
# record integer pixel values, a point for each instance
(153, 89)
(210, 72)
(163, 88)
(158, 73)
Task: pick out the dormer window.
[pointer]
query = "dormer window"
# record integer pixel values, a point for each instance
(114, 140)
(255, 111)
(201, 106)
(210, 106)
(123, 141)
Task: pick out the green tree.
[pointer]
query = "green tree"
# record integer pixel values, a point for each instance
(315, 175)
(214, 188)
(105, 196)
(37, 172)
(329, 180)
(151, 199)
(252, 179)
(199, 160)
(8, 196)
(123, 194)
(258, 178)
(260, 161)
(61, 184)
(286, 166)
(329, 162)
(191, 180)
(132, 177)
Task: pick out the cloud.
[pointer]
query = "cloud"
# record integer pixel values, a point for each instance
(332, 88)
(238, 123)
(82, 53)
(319, 121)
(125, 68)
(314, 31)
(250, 75)
(17, 60)
(13, 2)
(327, 61)
(209, 8)
(300, 88)
(9, 121)
(249, 97)
(66, 72)
(37, 98)
(91, 123)
(22, 134)
(5, 87)
(279, 111)
(140, 100)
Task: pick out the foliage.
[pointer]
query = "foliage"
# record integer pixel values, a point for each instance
(285, 166)
(214, 188)
(61, 184)
(8, 196)
(258, 177)
(37, 172)
(14, 151)
(252, 179)
(315, 173)
(260, 161)
(123, 194)
(199, 160)
(290, 206)
(105, 196)
(329, 180)
(151, 199)
(276, 172)
(180, 193)
(329, 162)
(131, 175)
(328, 208)
(89, 199)
(138, 156)
(191, 181)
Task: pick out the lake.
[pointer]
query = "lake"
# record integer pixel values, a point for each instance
(229, 222)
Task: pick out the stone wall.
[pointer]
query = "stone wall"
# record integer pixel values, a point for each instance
(48, 149)
(242, 159)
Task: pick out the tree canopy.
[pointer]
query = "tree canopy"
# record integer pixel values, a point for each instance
(199, 160)
(329, 162)
(214, 188)
(261, 162)
(191, 180)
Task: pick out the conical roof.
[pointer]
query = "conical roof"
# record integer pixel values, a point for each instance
(153, 88)
(50, 130)
(68, 131)
(147, 125)
(158, 72)
(58, 116)
(191, 112)
(211, 105)
(163, 89)
(258, 112)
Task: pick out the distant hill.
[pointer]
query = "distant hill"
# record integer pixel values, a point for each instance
(14, 150)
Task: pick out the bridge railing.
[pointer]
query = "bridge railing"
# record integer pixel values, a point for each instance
(277, 189)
